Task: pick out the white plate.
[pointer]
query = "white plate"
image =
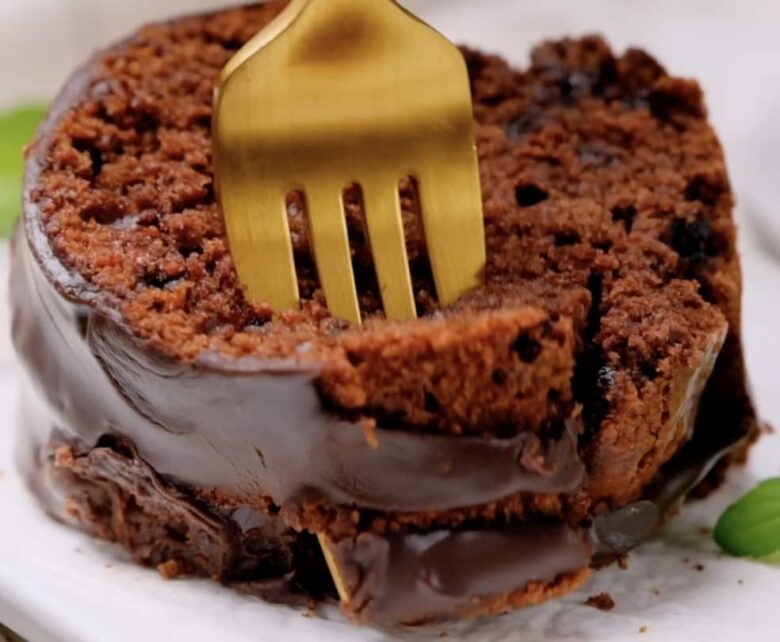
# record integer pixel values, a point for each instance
(58, 585)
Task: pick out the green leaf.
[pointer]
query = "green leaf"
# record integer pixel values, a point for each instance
(17, 128)
(751, 526)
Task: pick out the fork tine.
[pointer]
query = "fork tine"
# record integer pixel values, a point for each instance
(255, 215)
(451, 208)
(328, 227)
(388, 248)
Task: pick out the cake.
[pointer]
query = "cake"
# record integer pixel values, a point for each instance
(479, 458)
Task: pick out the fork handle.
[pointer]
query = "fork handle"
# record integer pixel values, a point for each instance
(325, 27)
(332, 21)
(340, 5)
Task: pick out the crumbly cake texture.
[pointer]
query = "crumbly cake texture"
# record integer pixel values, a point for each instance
(612, 286)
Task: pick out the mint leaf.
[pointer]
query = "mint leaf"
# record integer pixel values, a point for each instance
(751, 526)
(17, 128)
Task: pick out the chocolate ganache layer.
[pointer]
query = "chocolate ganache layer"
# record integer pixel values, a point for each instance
(476, 459)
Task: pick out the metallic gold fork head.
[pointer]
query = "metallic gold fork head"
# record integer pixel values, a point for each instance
(340, 92)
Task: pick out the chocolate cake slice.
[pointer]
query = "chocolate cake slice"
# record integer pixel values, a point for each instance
(478, 458)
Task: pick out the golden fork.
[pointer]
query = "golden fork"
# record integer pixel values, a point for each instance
(336, 92)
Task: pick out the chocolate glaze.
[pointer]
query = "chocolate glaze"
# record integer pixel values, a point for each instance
(249, 427)
(411, 578)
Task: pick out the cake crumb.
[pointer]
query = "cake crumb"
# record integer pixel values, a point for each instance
(699, 567)
(705, 530)
(643, 629)
(602, 602)
(71, 508)
(369, 432)
(64, 457)
(170, 569)
(622, 562)
(656, 591)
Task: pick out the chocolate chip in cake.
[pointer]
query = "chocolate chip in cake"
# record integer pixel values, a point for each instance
(527, 349)
(626, 214)
(693, 240)
(530, 194)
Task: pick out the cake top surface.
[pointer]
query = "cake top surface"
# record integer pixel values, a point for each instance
(594, 168)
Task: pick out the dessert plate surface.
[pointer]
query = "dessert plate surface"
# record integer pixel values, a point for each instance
(57, 585)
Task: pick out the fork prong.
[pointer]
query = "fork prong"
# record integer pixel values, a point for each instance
(388, 248)
(327, 549)
(451, 209)
(255, 215)
(328, 228)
